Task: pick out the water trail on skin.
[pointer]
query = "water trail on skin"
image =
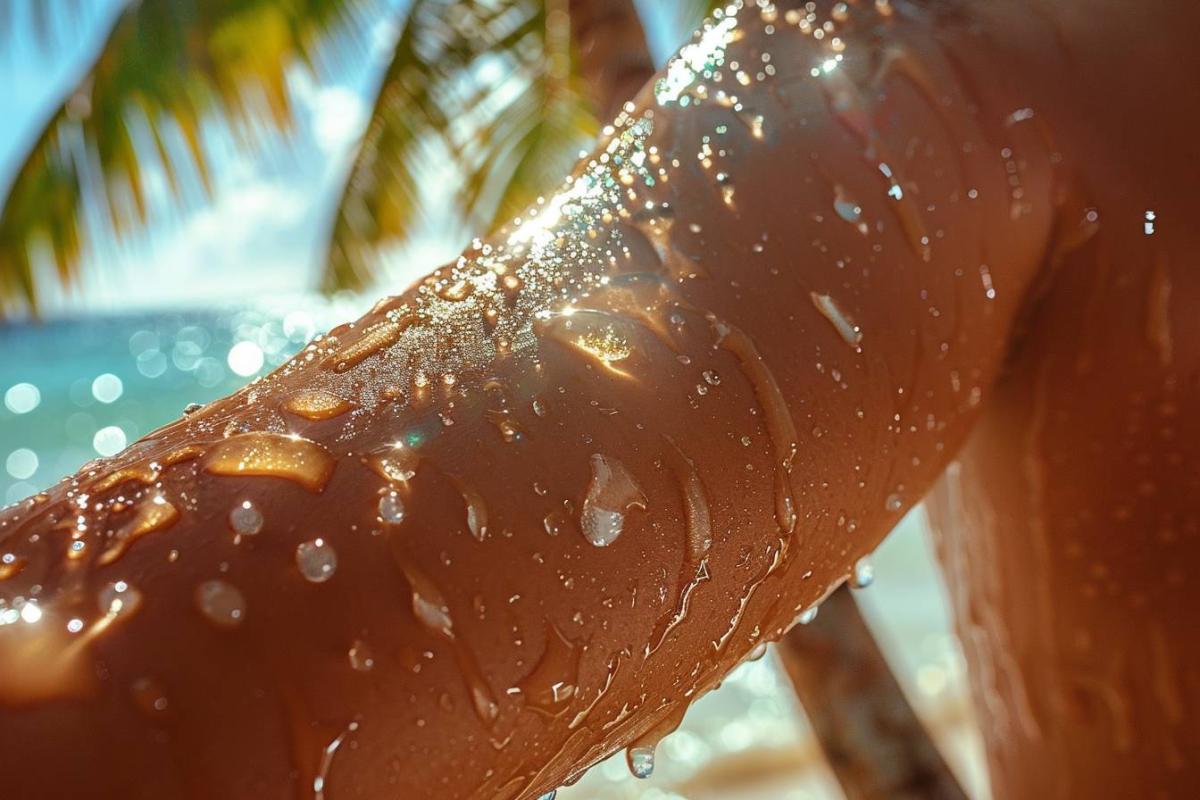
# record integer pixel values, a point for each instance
(697, 543)
(432, 612)
(321, 781)
(614, 665)
(780, 427)
(1158, 312)
(554, 680)
(848, 106)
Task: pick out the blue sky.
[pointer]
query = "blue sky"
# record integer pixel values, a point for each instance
(265, 230)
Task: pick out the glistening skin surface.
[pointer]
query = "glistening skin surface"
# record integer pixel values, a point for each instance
(520, 516)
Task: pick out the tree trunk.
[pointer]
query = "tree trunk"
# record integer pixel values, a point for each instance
(873, 741)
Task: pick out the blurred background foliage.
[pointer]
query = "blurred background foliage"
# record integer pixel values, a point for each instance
(492, 84)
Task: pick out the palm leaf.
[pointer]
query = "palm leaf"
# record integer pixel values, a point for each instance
(166, 68)
(483, 81)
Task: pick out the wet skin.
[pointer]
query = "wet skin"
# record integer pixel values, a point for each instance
(573, 479)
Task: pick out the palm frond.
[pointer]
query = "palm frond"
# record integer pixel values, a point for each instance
(165, 70)
(691, 13)
(489, 82)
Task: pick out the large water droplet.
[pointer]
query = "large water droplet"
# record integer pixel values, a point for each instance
(863, 575)
(245, 519)
(391, 508)
(221, 602)
(611, 493)
(272, 455)
(640, 761)
(153, 514)
(316, 405)
(317, 560)
(374, 340)
(847, 209)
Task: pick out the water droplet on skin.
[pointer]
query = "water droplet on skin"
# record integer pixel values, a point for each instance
(245, 519)
(477, 516)
(361, 658)
(550, 795)
(222, 603)
(119, 599)
(863, 575)
(611, 493)
(395, 463)
(758, 652)
(539, 408)
(893, 502)
(848, 210)
(808, 615)
(374, 340)
(556, 522)
(153, 514)
(845, 327)
(272, 455)
(391, 508)
(317, 560)
(640, 761)
(317, 405)
(191, 408)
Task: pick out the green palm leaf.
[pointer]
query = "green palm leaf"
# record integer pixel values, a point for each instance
(488, 81)
(166, 67)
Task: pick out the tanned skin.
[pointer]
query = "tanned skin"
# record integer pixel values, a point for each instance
(755, 329)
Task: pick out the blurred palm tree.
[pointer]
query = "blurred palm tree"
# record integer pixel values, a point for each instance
(493, 82)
